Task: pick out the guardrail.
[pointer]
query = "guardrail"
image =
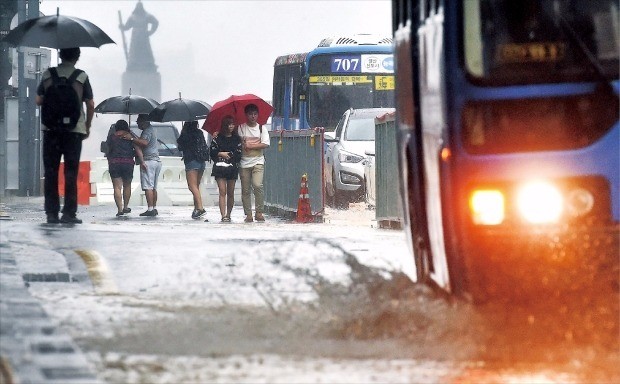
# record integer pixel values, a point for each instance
(292, 154)
(388, 204)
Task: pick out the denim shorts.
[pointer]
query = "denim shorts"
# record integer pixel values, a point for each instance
(195, 165)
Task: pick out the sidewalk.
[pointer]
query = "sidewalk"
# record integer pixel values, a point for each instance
(32, 347)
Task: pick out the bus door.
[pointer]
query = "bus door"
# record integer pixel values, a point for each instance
(433, 126)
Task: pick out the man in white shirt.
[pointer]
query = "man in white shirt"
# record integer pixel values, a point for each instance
(252, 167)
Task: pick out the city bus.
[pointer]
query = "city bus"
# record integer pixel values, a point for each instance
(313, 89)
(508, 136)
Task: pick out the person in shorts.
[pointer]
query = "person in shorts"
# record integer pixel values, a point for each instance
(121, 162)
(225, 151)
(195, 151)
(147, 150)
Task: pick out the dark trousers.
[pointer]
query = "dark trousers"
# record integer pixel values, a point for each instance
(55, 146)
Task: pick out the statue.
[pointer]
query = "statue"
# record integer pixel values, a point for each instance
(140, 57)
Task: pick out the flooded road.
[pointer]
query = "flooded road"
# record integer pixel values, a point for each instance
(185, 301)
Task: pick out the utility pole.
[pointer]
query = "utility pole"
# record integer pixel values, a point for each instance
(29, 132)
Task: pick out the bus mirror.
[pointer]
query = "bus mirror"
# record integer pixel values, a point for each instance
(303, 87)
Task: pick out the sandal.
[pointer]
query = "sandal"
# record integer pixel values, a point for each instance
(225, 219)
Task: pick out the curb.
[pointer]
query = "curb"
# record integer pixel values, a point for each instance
(32, 347)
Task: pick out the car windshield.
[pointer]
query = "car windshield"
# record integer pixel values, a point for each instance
(166, 136)
(360, 130)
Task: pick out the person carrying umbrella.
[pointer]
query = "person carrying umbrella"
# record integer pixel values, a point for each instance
(120, 164)
(64, 142)
(254, 139)
(195, 152)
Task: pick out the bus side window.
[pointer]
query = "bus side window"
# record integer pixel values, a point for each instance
(279, 82)
(295, 76)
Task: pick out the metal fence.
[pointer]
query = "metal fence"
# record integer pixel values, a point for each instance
(292, 154)
(388, 203)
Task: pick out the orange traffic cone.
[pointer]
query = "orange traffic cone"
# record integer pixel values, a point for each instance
(304, 214)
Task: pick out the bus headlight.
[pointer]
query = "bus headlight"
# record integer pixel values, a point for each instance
(539, 202)
(579, 202)
(487, 207)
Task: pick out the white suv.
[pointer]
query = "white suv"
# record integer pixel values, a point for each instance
(345, 152)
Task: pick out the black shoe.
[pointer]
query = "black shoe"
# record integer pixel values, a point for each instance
(149, 213)
(126, 210)
(66, 219)
(52, 219)
(119, 214)
(155, 210)
(201, 213)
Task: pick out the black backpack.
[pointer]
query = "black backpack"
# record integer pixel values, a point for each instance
(61, 107)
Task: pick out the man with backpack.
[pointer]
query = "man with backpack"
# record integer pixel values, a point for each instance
(60, 94)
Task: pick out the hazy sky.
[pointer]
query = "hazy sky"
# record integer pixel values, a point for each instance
(208, 49)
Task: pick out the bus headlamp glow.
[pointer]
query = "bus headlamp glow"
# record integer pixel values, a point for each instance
(579, 202)
(487, 207)
(540, 202)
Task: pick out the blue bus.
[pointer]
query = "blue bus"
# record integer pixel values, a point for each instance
(313, 89)
(507, 113)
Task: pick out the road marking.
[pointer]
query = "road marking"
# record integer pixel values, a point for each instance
(6, 371)
(99, 272)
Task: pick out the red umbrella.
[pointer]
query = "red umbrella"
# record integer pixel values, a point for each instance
(234, 106)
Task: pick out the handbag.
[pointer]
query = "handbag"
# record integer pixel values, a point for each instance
(103, 147)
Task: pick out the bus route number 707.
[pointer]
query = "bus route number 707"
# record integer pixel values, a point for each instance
(346, 64)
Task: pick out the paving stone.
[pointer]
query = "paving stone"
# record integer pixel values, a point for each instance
(32, 348)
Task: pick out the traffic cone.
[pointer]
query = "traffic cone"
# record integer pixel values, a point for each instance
(304, 214)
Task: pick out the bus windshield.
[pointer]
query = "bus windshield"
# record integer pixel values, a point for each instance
(536, 41)
(335, 85)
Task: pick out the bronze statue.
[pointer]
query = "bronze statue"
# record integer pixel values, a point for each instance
(140, 57)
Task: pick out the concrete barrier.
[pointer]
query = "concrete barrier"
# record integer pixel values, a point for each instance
(171, 189)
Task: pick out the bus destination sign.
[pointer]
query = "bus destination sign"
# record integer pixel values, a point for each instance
(531, 52)
(344, 80)
(367, 63)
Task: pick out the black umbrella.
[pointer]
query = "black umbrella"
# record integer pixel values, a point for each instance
(180, 110)
(57, 32)
(128, 105)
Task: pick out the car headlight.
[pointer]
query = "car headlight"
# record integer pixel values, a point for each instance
(348, 157)
(487, 207)
(540, 202)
